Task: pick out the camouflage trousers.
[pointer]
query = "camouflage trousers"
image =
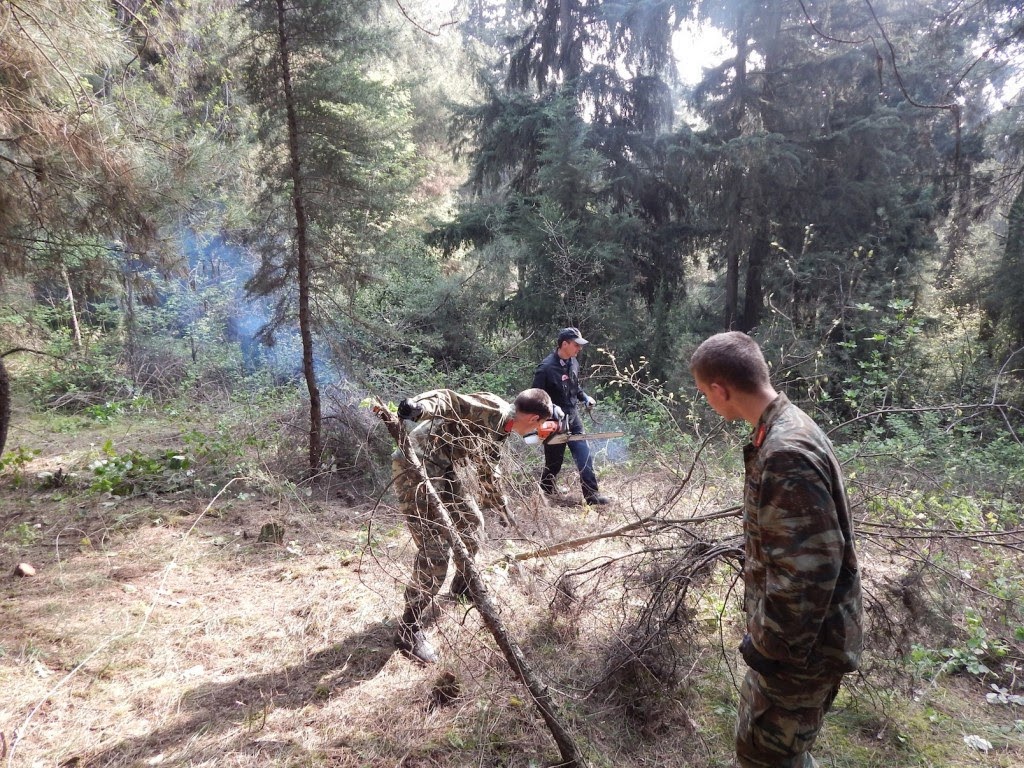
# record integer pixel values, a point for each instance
(779, 718)
(432, 548)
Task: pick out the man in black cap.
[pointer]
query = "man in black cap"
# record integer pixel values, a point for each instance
(559, 375)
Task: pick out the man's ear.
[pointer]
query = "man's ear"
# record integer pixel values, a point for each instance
(721, 390)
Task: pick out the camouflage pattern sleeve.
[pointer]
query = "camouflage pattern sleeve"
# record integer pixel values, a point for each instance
(489, 472)
(802, 548)
(464, 428)
(480, 408)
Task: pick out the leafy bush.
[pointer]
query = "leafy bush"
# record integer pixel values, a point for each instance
(974, 656)
(133, 473)
(17, 459)
(80, 383)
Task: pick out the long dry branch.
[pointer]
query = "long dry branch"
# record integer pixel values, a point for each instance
(646, 522)
(571, 757)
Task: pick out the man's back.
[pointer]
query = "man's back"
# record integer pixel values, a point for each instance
(802, 579)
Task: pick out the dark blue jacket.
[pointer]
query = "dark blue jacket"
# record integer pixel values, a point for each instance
(560, 379)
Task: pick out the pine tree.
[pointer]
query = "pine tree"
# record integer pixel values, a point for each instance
(826, 143)
(66, 165)
(337, 162)
(569, 183)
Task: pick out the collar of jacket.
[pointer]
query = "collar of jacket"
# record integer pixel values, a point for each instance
(508, 415)
(764, 424)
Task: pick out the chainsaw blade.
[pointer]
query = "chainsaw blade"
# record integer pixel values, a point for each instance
(564, 438)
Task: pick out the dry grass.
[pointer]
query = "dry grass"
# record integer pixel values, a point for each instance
(159, 631)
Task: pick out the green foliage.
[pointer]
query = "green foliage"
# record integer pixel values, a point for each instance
(1005, 295)
(974, 656)
(17, 459)
(109, 411)
(133, 473)
(24, 534)
(223, 452)
(881, 347)
(582, 210)
(352, 142)
(76, 382)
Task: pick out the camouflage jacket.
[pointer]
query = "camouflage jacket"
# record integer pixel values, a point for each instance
(802, 592)
(458, 428)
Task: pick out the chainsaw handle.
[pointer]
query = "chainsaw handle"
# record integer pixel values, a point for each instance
(548, 429)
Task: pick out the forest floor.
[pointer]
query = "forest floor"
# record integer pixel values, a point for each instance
(159, 630)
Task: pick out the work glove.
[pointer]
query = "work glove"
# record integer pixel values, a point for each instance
(409, 410)
(589, 401)
(558, 415)
(756, 660)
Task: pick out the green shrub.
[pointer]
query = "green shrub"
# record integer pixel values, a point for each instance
(134, 473)
(17, 459)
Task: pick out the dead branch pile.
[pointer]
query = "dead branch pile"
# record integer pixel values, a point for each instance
(654, 650)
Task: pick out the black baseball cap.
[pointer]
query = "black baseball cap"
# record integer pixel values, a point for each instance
(571, 334)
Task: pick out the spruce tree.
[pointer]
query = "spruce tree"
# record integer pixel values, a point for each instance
(336, 161)
(568, 189)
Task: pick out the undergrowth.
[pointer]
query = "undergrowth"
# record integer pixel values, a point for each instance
(636, 633)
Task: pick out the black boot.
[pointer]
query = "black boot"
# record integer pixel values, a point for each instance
(460, 587)
(547, 485)
(411, 640)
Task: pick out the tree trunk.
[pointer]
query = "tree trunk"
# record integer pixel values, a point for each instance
(734, 242)
(129, 326)
(5, 404)
(753, 294)
(733, 248)
(959, 228)
(732, 282)
(76, 331)
(571, 757)
(302, 248)
(566, 49)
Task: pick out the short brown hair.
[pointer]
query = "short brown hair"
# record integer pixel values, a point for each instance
(731, 358)
(535, 401)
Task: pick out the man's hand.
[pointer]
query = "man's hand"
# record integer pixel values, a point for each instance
(589, 402)
(558, 415)
(409, 410)
(756, 660)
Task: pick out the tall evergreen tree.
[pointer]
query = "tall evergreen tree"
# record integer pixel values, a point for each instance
(833, 130)
(569, 185)
(337, 161)
(96, 156)
(66, 164)
(998, 192)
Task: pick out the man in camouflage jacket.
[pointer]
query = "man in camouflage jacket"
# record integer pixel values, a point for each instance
(802, 594)
(453, 429)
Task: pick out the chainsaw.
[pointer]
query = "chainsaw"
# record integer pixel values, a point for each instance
(548, 433)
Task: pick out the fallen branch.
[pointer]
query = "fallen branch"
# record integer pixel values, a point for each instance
(571, 757)
(650, 520)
